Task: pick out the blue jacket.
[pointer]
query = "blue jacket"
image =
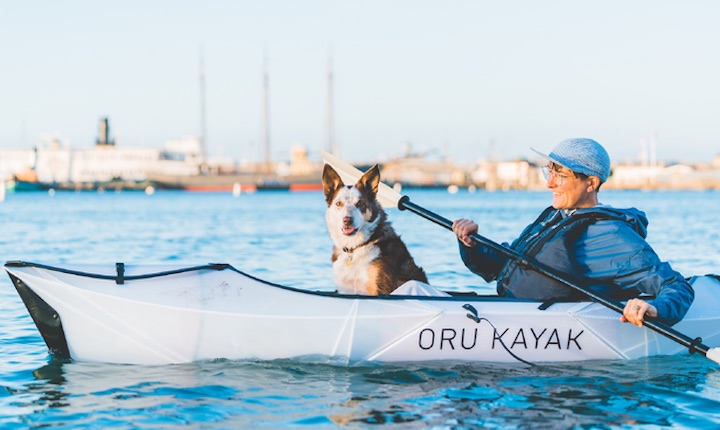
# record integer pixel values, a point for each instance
(602, 248)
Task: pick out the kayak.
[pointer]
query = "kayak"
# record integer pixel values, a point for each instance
(162, 314)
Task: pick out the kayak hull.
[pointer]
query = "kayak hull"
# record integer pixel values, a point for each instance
(167, 314)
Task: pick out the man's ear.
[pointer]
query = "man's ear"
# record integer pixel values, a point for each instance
(594, 183)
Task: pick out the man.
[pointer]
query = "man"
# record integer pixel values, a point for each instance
(594, 245)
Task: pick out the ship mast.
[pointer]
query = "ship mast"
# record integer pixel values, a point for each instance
(331, 108)
(266, 99)
(203, 116)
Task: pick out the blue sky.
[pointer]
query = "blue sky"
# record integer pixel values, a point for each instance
(455, 78)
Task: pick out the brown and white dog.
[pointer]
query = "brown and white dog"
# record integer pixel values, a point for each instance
(368, 256)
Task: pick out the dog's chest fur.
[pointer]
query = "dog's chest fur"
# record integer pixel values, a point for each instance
(351, 269)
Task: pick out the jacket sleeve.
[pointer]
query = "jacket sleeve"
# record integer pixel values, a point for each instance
(674, 297)
(610, 253)
(482, 261)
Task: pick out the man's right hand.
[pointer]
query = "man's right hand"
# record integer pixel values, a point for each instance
(463, 228)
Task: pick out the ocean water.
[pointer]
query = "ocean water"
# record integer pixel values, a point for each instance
(281, 237)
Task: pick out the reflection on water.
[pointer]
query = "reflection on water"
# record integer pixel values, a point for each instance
(662, 391)
(281, 237)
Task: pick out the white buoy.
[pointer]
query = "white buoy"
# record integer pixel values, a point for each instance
(149, 190)
(472, 188)
(236, 189)
(453, 189)
(51, 192)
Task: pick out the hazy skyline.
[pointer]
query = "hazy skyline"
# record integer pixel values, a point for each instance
(449, 77)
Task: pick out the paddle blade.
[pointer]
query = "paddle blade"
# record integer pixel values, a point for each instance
(714, 355)
(350, 175)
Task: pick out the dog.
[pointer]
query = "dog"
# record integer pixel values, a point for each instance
(369, 258)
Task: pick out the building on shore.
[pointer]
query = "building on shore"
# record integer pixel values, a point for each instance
(664, 177)
(526, 175)
(415, 171)
(54, 165)
(180, 164)
(505, 175)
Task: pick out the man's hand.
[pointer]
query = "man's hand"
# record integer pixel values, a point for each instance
(463, 228)
(635, 311)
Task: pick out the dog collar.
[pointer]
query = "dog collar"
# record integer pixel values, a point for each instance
(349, 251)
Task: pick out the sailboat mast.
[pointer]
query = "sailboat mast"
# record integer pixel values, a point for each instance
(203, 116)
(266, 90)
(331, 107)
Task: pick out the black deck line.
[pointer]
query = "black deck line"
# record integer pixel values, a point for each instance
(454, 296)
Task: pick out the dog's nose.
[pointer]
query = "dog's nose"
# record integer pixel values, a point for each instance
(347, 220)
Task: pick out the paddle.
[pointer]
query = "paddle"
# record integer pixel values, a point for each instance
(390, 198)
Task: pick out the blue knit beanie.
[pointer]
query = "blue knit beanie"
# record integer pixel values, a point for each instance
(581, 155)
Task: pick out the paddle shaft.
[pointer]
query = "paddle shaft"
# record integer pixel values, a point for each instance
(694, 345)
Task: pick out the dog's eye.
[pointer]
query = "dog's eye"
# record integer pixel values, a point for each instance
(361, 205)
(339, 204)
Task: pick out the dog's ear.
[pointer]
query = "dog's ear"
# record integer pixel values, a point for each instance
(370, 180)
(331, 182)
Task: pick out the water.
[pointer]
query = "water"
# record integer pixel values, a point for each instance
(281, 237)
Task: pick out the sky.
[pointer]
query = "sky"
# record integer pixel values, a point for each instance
(467, 80)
